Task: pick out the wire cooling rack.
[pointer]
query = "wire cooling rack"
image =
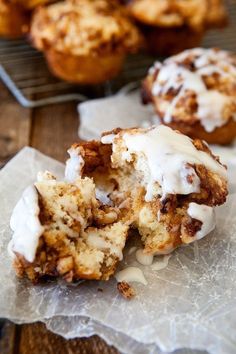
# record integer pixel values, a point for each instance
(25, 72)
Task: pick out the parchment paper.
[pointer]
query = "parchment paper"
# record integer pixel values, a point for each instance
(123, 110)
(191, 303)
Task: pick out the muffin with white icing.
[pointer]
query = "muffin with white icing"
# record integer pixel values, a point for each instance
(14, 20)
(195, 92)
(62, 230)
(171, 26)
(165, 184)
(85, 41)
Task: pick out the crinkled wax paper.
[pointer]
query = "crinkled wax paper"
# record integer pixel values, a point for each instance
(190, 303)
(122, 110)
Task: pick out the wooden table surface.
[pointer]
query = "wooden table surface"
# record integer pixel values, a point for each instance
(51, 130)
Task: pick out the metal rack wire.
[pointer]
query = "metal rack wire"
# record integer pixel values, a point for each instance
(25, 72)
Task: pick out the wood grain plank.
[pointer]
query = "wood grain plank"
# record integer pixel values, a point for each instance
(7, 339)
(15, 124)
(36, 339)
(54, 129)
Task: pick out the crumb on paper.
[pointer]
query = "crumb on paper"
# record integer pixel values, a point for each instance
(126, 290)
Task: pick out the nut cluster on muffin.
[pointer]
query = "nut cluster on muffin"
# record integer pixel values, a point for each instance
(173, 25)
(156, 180)
(195, 92)
(85, 41)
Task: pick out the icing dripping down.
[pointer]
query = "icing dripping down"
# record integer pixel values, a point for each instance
(74, 164)
(131, 274)
(206, 215)
(108, 139)
(143, 258)
(161, 264)
(169, 156)
(26, 225)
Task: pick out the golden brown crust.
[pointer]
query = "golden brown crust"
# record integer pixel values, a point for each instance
(196, 14)
(216, 15)
(14, 20)
(84, 69)
(170, 26)
(85, 41)
(84, 27)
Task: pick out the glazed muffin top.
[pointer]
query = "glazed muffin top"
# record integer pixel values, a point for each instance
(197, 85)
(154, 176)
(196, 14)
(82, 27)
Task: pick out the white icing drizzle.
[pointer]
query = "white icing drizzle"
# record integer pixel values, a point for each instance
(26, 225)
(108, 139)
(132, 250)
(97, 241)
(131, 274)
(161, 263)
(211, 103)
(206, 215)
(143, 258)
(74, 164)
(168, 154)
(102, 196)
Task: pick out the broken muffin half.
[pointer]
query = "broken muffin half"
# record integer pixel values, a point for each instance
(156, 180)
(165, 184)
(61, 229)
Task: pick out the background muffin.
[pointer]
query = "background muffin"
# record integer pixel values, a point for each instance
(173, 25)
(195, 92)
(32, 4)
(84, 41)
(14, 20)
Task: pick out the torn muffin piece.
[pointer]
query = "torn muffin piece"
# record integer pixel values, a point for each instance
(62, 230)
(171, 26)
(165, 184)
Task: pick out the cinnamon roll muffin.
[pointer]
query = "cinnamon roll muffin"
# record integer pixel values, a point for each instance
(195, 92)
(165, 184)
(154, 180)
(14, 20)
(171, 26)
(84, 41)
